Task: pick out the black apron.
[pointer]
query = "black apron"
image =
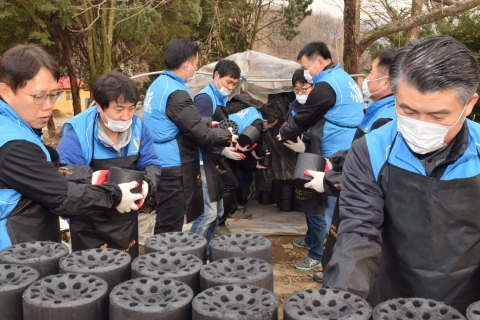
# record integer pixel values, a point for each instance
(30, 221)
(332, 233)
(213, 163)
(431, 240)
(107, 228)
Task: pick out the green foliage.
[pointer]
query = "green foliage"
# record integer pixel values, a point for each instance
(295, 12)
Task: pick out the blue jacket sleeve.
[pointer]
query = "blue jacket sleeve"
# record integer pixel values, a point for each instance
(148, 154)
(70, 150)
(204, 105)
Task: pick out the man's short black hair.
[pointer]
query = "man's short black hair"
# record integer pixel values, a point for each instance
(115, 86)
(227, 68)
(22, 63)
(385, 58)
(314, 49)
(270, 112)
(298, 76)
(178, 51)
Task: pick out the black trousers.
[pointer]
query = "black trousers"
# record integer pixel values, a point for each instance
(170, 205)
(229, 195)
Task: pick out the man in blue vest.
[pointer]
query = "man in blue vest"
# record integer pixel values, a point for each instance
(178, 132)
(110, 134)
(331, 114)
(218, 181)
(409, 202)
(380, 111)
(33, 193)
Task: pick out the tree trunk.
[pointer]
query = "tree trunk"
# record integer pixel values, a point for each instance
(351, 35)
(63, 35)
(412, 34)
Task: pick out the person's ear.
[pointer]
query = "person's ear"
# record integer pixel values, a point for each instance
(99, 109)
(5, 91)
(471, 104)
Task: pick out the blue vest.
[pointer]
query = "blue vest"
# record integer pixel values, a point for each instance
(86, 128)
(215, 95)
(347, 113)
(13, 128)
(217, 100)
(245, 117)
(382, 109)
(380, 140)
(163, 130)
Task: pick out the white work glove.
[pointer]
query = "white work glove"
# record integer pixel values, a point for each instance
(317, 182)
(128, 199)
(279, 137)
(234, 136)
(254, 154)
(259, 166)
(328, 165)
(246, 148)
(231, 153)
(144, 193)
(298, 147)
(100, 177)
(214, 124)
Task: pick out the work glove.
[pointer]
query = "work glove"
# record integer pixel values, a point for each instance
(100, 177)
(259, 166)
(231, 153)
(234, 136)
(128, 199)
(279, 137)
(298, 147)
(328, 165)
(214, 124)
(317, 182)
(246, 148)
(254, 154)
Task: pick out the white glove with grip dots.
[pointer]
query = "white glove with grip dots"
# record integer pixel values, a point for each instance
(231, 153)
(100, 177)
(234, 136)
(298, 147)
(317, 182)
(128, 199)
(144, 193)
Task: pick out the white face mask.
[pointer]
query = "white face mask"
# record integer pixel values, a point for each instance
(188, 75)
(366, 91)
(301, 98)
(307, 75)
(117, 126)
(224, 91)
(423, 137)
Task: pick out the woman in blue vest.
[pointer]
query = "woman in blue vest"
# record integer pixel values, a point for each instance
(331, 114)
(178, 132)
(218, 181)
(33, 193)
(110, 134)
(409, 204)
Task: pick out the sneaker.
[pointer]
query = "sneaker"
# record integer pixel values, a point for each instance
(318, 276)
(241, 208)
(308, 264)
(222, 230)
(241, 215)
(300, 242)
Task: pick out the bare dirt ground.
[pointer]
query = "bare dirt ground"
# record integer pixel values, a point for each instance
(287, 279)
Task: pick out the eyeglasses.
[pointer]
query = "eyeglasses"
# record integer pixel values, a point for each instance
(41, 98)
(301, 90)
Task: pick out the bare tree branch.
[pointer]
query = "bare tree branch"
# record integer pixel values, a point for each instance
(370, 37)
